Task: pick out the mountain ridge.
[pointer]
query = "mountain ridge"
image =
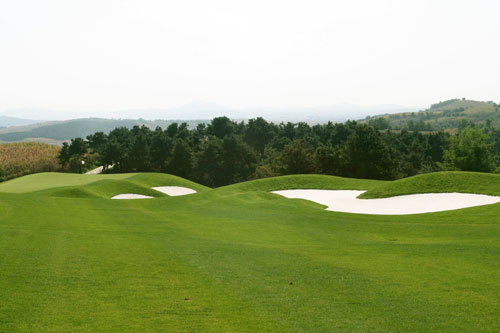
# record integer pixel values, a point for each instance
(207, 110)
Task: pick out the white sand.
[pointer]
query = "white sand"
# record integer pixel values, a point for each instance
(174, 191)
(170, 190)
(131, 196)
(96, 171)
(346, 201)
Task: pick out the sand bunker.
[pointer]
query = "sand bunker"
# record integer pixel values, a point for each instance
(174, 191)
(131, 196)
(346, 201)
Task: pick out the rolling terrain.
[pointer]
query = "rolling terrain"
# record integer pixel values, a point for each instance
(238, 258)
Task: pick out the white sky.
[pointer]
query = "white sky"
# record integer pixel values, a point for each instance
(109, 55)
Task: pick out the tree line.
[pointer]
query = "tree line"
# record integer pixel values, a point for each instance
(224, 152)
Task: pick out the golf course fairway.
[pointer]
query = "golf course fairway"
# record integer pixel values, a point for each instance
(242, 259)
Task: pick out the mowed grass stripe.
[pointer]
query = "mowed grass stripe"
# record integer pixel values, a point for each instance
(87, 276)
(404, 257)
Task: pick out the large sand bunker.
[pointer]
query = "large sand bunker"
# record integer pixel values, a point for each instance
(174, 191)
(347, 202)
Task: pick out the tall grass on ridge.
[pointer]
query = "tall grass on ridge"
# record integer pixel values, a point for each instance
(22, 158)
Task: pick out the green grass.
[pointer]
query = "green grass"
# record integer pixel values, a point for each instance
(240, 259)
(106, 188)
(304, 182)
(438, 182)
(43, 181)
(100, 185)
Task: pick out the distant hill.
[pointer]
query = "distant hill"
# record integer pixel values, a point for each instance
(6, 121)
(449, 114)
(207, 110)
(57, 131)
(441, 115)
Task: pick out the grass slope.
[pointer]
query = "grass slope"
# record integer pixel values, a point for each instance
(243, 260)
(438, 182)
(303, 182)
(106, 188)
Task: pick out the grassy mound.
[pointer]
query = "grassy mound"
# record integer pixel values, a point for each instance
(106, 188)
(303, 182)
(161, 179)
(438, 182)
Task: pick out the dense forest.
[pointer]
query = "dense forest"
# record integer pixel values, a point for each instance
(225, 152)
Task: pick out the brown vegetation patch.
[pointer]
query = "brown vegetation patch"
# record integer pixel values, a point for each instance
(22, 158)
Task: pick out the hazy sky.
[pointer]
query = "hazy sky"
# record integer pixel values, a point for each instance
(108, 55)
